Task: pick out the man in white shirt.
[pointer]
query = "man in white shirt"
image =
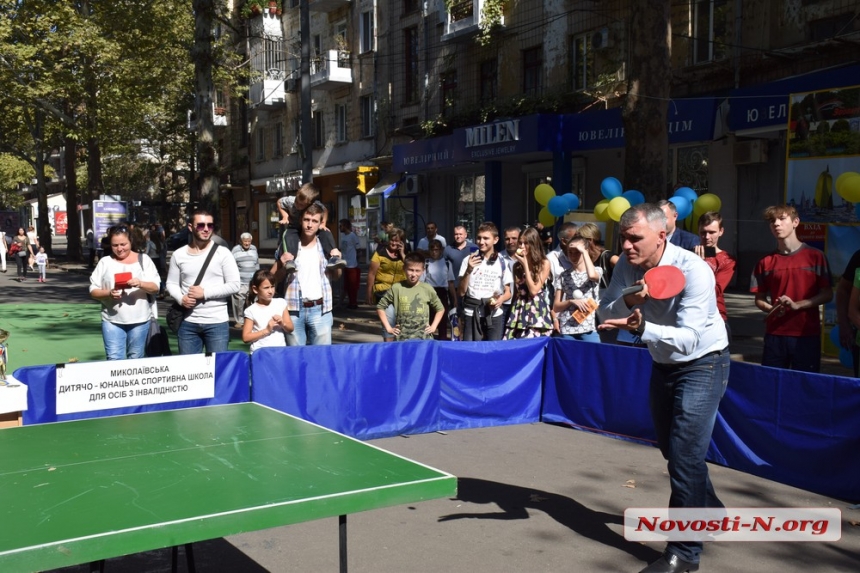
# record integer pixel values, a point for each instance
(207, 323)
(308, 290)
(512, 240)
(430, 230)
(348, 244)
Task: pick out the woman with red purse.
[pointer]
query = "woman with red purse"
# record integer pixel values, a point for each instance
(125, 283)
(22, 250)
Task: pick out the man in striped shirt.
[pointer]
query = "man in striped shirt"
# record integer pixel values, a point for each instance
(248, 262)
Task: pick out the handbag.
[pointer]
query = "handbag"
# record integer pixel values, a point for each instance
(157, 341)
(177, 313)
(14, 248)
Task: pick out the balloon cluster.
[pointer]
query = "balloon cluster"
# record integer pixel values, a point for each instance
(616, 201)
(848, 186)
(554, 205)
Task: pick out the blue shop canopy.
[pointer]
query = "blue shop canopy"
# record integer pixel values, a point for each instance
(688, 120)
(766, 105)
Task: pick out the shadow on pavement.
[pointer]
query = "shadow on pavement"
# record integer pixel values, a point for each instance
(515, 501)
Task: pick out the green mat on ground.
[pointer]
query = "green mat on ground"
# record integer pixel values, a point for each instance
(59, 333)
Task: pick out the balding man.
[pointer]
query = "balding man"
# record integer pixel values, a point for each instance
(676, 236)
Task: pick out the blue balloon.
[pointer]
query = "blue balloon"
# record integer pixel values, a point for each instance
(834, 336)
(557, 206)
(572, 201)
(684, 206)
(611, 188)
(634, 197)
(689, 194)
(845, 358)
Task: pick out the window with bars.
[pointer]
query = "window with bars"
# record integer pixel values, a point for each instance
(366, 39)
(411, 74)
(489, 80)
(261, 144)
(340, 122)
(709, 30)
(448, 92)
(278, 135)
(368, 116)
(582, 61)
(533, 71)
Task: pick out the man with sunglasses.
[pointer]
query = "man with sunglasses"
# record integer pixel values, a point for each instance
(207, 323)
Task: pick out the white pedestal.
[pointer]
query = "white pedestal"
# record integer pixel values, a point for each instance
(13, 401)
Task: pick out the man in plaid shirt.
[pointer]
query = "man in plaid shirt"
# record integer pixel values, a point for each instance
(308, 290)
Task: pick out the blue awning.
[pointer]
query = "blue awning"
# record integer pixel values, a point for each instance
(766, 105)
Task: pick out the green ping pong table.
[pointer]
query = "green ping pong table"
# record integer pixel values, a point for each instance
(83, 491)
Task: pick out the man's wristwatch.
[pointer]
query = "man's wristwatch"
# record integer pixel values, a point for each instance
(639, 330)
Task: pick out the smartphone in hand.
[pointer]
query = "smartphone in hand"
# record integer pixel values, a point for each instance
(710, 252)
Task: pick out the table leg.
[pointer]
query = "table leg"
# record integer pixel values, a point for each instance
(341, 522)
(97, 566)
(189, 558)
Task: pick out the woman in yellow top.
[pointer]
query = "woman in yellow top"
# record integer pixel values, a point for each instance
(386, 269)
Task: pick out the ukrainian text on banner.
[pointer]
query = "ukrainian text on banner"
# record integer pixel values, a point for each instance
(88, 386)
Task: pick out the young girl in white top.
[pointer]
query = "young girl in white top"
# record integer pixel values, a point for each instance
(42, 263)
(267, 319)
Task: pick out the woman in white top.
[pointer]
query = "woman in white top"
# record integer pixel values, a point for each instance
(122, 283)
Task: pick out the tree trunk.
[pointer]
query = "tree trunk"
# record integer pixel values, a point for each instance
(73, 231)
(644, 112)
(203, 57)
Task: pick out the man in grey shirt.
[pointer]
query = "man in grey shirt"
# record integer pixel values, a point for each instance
(248, 262)
(207, 320)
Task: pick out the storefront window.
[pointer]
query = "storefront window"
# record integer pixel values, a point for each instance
(470, 203)
(268, 217)
(692, 167)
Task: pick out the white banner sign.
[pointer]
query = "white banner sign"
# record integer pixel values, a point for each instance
(84, 387)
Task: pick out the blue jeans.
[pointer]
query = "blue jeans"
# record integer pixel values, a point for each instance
(684, 399)
(193, 336)
(124, 340)
(801, 353)
(311, 327)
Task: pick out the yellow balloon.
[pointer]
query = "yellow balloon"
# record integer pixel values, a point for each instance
(707, 202)
(840, 183)
(546, 218)
(617, 207)
(601, 210)
(851, 188)
(543, 193)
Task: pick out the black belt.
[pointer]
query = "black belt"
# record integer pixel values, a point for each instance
(311, 303)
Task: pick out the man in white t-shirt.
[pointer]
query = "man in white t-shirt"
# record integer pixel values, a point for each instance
(430, 230)
(208, 322)
(485, 285)
(349, 243)
(308, 289)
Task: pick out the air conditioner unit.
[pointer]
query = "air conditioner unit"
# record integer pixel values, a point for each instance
(600, 40)
(411, 184)
(750, 152)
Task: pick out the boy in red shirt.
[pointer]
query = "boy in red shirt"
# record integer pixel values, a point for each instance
(790, 285)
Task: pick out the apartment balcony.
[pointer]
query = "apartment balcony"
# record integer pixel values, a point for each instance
(267, 92)
(331, 71)
(462, 21)
(326, 5)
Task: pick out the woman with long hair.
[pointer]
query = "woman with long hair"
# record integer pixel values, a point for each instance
(124, 283)
(600, 256)
(22, 249)
(531, 315)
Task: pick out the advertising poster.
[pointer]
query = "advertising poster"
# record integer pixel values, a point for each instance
(61, 223)
(106, 214)
(824, 143)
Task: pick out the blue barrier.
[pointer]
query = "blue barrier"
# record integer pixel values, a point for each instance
(377, 390)
(231, 386)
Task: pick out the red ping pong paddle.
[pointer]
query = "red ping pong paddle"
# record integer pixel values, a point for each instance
(120, 281)
(663, 282)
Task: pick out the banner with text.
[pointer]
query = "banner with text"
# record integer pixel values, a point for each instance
(84, 387)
